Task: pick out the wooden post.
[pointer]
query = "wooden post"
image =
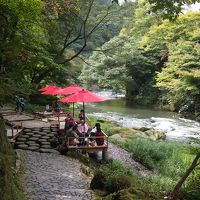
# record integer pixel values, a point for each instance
(105, 154)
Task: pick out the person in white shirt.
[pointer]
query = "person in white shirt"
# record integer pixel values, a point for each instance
(82, 129)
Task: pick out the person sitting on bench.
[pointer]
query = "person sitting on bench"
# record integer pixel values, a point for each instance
(69, 122)
(99, 133)
(72, 136)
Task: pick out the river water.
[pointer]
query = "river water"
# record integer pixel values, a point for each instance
(129, 115)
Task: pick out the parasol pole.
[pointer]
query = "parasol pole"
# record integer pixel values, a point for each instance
(73, 109)
(84, 111)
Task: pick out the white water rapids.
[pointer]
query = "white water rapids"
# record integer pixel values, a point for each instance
(175, 128)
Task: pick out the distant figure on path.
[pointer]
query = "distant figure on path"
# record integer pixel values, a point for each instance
(20, 105)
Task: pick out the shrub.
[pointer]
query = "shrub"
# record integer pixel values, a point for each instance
(99, 180)
(116, 183)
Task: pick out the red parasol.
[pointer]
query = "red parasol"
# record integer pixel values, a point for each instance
(71, 89)
(68, 90)
(82, 96)
(52, 91)
(47, 88)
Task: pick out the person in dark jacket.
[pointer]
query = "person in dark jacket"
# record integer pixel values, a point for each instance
(100, 134)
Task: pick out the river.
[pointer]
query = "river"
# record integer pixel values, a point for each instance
(129, 115)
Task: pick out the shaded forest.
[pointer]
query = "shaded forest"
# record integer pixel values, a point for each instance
(147, 48)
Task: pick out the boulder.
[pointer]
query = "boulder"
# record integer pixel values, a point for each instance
(117, 137)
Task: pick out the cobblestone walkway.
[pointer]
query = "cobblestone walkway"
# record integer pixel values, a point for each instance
(54, 177)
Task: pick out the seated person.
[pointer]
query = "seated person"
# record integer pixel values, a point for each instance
(94, 130)
(99, 141)
(82, 129)
(69, 122)
(56, 107)
(47, 108)
(81, 115)
(72, 136)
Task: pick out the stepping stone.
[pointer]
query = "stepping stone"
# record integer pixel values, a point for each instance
(36, 129)
(33, 139)
(29, 133)
(36, 135)
(27, 130)
(45, 137)
(46, 147)
(46, 131)
(33, 148)
(18, 143)
(50, 135)
(48, 151)
(54, 130)
(45, 143)
(31, 142)
(22, 146)
(35, 132)
(25, 136)
(21, 139)
(34, 145)
(42, 140)
(42, 133)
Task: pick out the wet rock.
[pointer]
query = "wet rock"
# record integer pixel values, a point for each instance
(143, 129)
(117, 137)
(155, 135)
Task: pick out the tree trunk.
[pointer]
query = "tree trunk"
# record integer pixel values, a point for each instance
(174, 194)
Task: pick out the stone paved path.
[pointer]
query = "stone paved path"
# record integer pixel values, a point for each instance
(125, 157)
(54, 177)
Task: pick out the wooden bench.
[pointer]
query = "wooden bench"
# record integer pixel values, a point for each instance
(88, 147)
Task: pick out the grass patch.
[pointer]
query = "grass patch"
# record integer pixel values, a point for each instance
(122, 183)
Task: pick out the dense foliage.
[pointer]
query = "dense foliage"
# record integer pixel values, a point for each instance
(152, 60)
(41, 41)
(10, 186)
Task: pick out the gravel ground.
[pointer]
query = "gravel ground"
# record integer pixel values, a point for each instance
(125, 157)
